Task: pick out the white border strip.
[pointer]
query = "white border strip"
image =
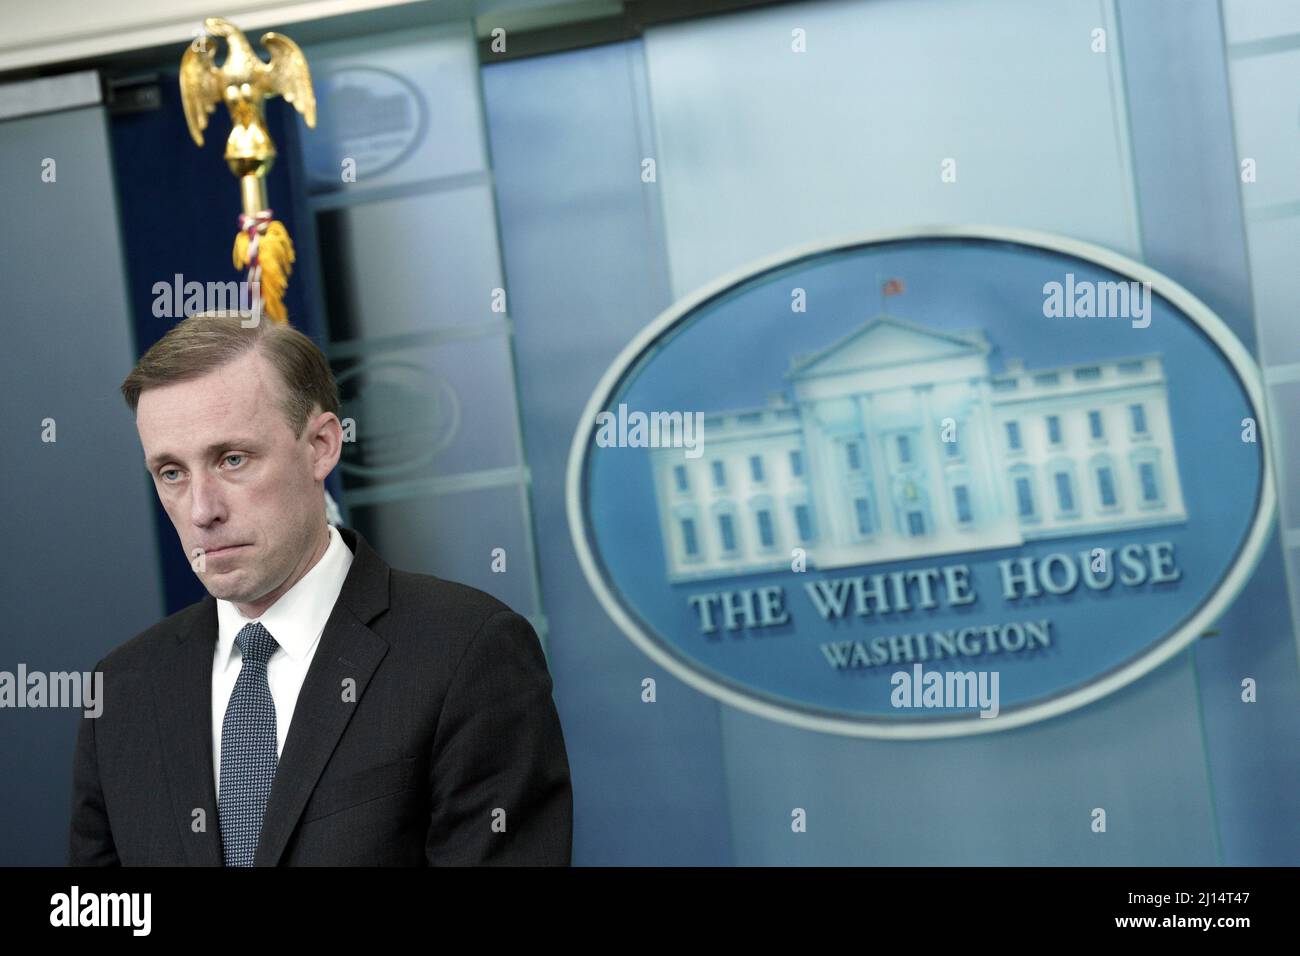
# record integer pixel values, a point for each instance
(885, 728)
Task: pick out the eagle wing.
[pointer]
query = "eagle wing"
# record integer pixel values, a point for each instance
(200, 88)
(287, 74)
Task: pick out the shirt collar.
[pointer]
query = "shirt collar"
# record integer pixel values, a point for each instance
(298, 616)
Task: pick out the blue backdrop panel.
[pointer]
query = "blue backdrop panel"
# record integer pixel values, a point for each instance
(80, 568)
(584, 262)
(1193, 231)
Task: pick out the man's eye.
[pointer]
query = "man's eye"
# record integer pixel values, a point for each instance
(228, 457)
(163, 474)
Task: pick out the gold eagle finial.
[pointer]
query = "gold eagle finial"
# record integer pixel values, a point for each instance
(244, 82)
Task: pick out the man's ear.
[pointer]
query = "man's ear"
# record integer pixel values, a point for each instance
(325, 435)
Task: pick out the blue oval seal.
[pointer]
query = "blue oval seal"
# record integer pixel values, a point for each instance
(923, 484)
(372, 116)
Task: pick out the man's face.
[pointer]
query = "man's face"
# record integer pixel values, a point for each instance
(229, 472)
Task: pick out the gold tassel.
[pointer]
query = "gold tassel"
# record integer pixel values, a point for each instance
(275, 255)
(241, 249)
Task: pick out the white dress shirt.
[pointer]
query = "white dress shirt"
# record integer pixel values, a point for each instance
(296, 620)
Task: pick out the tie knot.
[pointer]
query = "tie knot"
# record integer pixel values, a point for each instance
(256, 643)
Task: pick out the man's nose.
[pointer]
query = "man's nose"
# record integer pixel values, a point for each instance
(207, 503)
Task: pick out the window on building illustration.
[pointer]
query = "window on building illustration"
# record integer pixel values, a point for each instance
(1094, 425)
(904, 449)
(727, 529)
(1106, 486)
(961, 496)
(765, 535)
(854, 454)
(1013, 435)
(915, 523)
(1147, 474)
(1024, 497)
(863, 510)
(1064, 492)
(719, 475)
(689, 542)
(951, 446)
(1087, 374)
(756, 467)
(679, 472)
(1054, 429)
(796, 463)
(1132, 367)
(1139, 419)
(803, 521)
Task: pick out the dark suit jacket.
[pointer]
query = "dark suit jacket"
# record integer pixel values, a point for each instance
(451, 720)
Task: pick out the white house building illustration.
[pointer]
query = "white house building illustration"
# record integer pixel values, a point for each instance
(897, 442)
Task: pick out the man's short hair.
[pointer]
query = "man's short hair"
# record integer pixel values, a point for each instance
(207, 341)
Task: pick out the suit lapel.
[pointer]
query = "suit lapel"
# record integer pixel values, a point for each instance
(348, 650)
(183, 693)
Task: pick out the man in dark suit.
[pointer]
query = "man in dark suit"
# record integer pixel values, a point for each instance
(318, 706)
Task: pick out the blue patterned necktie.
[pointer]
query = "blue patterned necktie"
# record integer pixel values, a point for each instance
(248, 752)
